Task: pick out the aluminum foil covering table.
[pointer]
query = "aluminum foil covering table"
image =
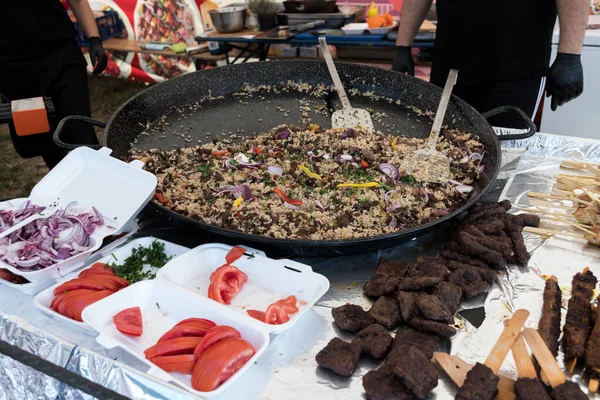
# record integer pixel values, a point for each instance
(288, 370)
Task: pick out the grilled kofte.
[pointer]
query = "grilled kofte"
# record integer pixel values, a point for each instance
(449, 294)
(530, 389)
(592, 348)
(568, 391)
(351, 317)
(549, 325)
(416, 372)
(481, 384)
(578, 323)
(339, 356)
(312, 183)
(374, 341)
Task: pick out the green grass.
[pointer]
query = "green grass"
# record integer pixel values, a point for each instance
(18, 176)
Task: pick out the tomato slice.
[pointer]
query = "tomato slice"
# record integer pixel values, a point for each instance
(198, 321)
(103, 267)
(183, 363)
(77, 304)
(215, 335)
(286, 199)
(189, 329)
(85, 283)
(279, 312)
(257, 314)
(120, 282)
(95, 271)
(129, 321)
(234, 254)
(67, 300)
(225, 282)
(217, 364)
(173, 347)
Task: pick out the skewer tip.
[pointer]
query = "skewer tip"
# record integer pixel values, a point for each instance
(571, 364)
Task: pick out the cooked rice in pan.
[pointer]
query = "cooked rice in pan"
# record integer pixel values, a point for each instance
(311, 183)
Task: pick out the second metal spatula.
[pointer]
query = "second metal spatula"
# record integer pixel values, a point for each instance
(347, 117)
(429, 164)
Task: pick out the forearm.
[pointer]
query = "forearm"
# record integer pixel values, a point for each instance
(572, 17)
(85, 16)
(413, 15)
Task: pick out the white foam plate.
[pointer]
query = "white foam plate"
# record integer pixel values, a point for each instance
(268, 280)
(163, 305)
(357, 28)
(44, 299)
(117, 189)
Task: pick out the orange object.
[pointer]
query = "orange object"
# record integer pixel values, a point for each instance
(30, 116)
(380, 21)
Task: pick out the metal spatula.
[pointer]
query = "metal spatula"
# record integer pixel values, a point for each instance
(429, 164)
(347, 117)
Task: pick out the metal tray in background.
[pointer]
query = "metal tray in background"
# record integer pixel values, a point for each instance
(332, 20)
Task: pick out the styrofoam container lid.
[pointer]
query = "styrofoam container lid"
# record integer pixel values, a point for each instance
(92, 178)
(163, 305)
(355, 28)
(44, 299)
(269, 280)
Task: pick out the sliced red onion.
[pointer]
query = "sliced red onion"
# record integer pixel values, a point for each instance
(345, 158)
(387, 195)
(64, 253)
(393, 223)
(241, 158)
(239, 190)
(290, 206)
(457, 183)
(481, 169)
(392, 208)
(348, 133)
(319, 205)
(227, 164)
(28, 263)
(283, 134)
(252, 165)
(475, 156)
(425, 197)
(442, 213)
(464, 189)
(275, 170)
(391, 171)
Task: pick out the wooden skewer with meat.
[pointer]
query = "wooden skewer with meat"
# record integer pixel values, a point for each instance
(549, 324)
(592, 353)
(482, 382)
(562, 388)
(528, 386)
(457, 369)
(578, 323)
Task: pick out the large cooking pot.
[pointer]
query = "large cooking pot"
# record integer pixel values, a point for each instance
(399, 97)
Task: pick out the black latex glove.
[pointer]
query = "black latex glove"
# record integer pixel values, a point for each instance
(403, 60)
(97, 55)
(565, 79)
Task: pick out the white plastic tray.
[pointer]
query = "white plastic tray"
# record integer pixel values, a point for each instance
(163, 305)
(355, 28)
(34, 288)
(43, 300)
(92, 178)
(268, 280)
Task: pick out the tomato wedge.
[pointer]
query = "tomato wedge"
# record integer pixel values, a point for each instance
(173, 347)
(189, 329)
(67, 299)
(95, 271)
(225, 282)
(129, 321)
(234, 254)
(217, 364)
(85, 283)
(279, 312)
(184, 363)
(120, 282)
(257, 314)
(103, 267)
(198, 321)
(215, 335)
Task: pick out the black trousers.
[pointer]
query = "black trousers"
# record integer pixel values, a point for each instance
(58, 72)
(484, 96)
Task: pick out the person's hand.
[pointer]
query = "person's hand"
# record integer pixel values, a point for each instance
(97, 55)
(403, 61)
(565, 79)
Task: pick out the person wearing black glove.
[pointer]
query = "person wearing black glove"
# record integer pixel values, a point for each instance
(39, 56)
(502, 51)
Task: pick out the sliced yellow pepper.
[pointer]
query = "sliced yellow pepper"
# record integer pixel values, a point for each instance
(309, 172)
(394, 141)
(237, 202)
(358, 185)
(314, 127)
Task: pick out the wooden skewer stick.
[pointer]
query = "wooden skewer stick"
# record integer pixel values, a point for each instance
(540, 211)
(589, 177)
(577, 164)
(594, 384)
(574, 224)
(506, 340)
(571, 364)
(592, 194)
(549, 204)
(543, 232)
(545, 358)
(572, 197)
(457, 370)
(525, 367)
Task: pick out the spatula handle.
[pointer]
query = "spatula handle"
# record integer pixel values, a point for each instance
(337, 82)
(441, 110)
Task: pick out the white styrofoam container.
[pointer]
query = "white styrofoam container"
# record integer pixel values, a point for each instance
(44, 299)
(117, 189)
(163, 305)
(34, 288)
(355, 28)
(268, 280)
